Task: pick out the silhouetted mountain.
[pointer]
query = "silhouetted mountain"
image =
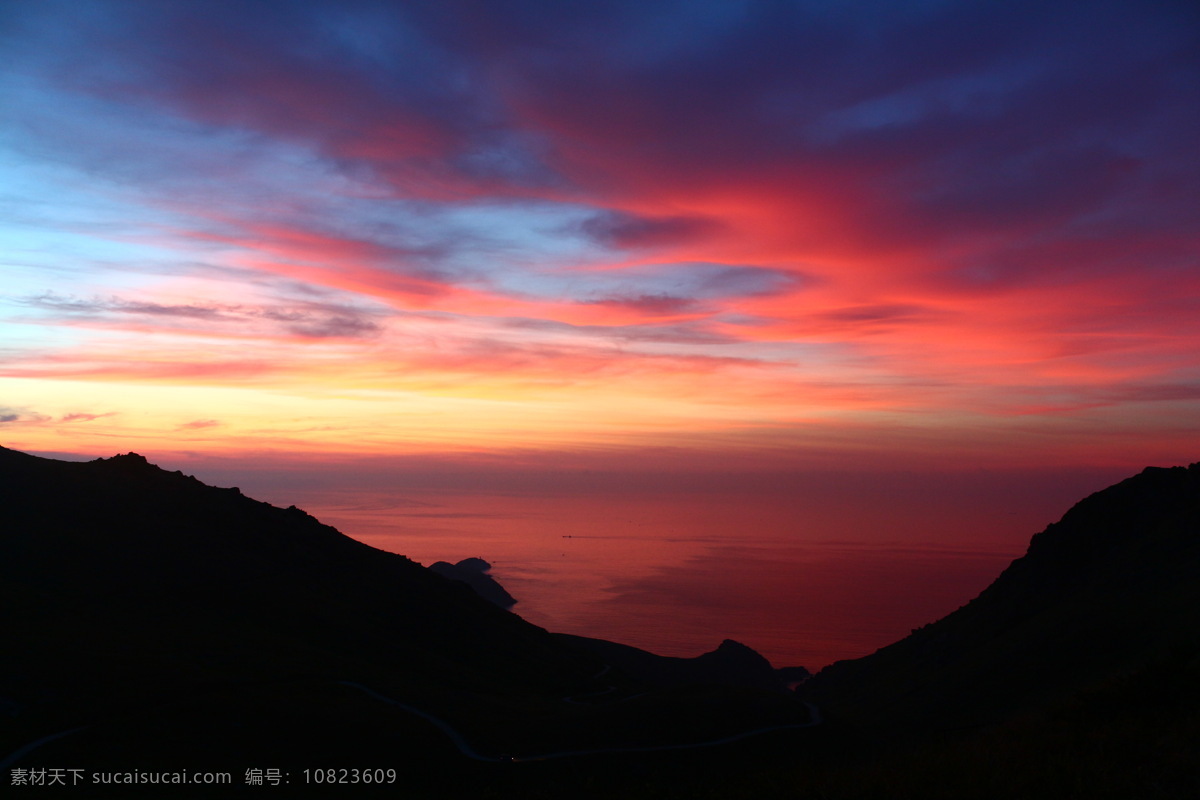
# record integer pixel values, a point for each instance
(474, 573)
(160, 621)
(731, 664)
(1111, 589)
(154, 622)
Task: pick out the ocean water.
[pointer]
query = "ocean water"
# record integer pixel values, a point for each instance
(678, 574)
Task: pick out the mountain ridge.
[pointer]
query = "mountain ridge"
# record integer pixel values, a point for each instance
(152, 614)
(135, 591)
(1105, 590)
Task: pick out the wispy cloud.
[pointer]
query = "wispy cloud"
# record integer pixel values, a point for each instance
(930, 211)
(313, 320)
(199, 424)
(22, 416)
(81, 417)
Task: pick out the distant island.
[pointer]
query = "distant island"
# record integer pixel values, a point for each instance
(475, 573)
(157, 623)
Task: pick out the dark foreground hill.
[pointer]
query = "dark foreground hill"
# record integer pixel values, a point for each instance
(1076, 673)
(1111, 587)
(153, 622)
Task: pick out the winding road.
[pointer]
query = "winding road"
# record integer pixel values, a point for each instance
(468, 750)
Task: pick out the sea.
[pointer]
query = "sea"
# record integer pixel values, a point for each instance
(678, 574)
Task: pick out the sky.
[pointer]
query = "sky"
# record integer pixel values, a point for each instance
(643, 239)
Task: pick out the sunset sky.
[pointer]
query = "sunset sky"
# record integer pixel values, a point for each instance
(623, 236)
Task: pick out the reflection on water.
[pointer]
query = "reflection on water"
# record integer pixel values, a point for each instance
(676, 575)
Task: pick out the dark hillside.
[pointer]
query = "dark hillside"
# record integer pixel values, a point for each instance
(154, 622)
(160, 617)
(119, 536)
(1111, 588)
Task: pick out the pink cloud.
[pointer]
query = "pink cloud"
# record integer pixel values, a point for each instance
(199, 424)
(79, 417)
